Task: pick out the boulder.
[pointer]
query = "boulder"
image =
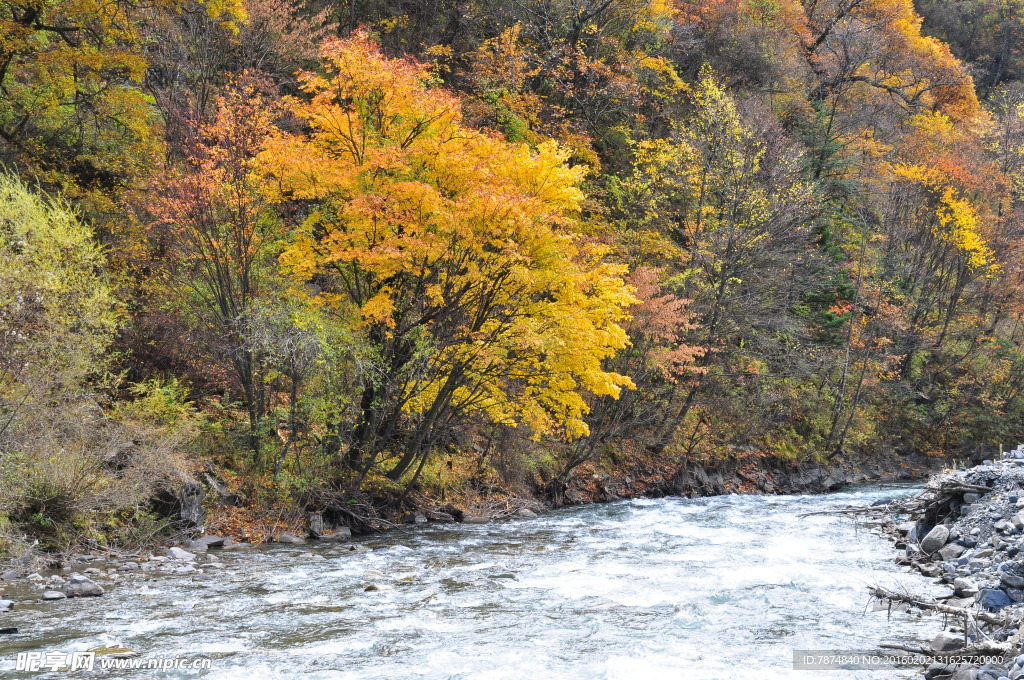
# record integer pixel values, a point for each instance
(10, 575)
(6, 605)
(237, 546)
(290, 539)
(414, 518)
(204, 542)
(177, 553)
(935, 539)
(339, 534)
(993, 599)
(947, 642)
(951, 551)
(526, 513)
(972, 498)
(965, 587)
(129, 566)
(316, 525)
(1011, 574)
(80, 586)
(190, 498)
(53, 595)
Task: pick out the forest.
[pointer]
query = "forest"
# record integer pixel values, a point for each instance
(377, 254)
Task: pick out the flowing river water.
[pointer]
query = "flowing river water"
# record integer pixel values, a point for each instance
(716, 588)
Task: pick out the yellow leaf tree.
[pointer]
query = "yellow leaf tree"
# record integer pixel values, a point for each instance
(456, 254)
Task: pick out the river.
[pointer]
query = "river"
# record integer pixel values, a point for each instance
(716, 588)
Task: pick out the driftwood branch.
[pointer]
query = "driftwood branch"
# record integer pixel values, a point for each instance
(932, 605)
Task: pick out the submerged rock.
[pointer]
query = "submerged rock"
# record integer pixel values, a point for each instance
(80, 586)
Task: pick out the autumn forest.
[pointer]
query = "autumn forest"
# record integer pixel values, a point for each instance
(382, 254)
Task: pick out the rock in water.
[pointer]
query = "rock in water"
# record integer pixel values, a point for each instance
(947, 642)
(339, 534)
(6, 605)
(176, 553)
(205, 542)
(53, 595)
(10, 575)
(80, 586)
(935, 539)
(291, 539)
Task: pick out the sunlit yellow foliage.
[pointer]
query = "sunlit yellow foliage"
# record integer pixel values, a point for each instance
(450, 239)
(956, 219)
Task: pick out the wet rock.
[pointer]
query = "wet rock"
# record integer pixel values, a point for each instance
(339, 534)
(8, 631)
(129, 566)
(6, 605)
(414, 518)
(947, 642)
(10, 575)
(370, 588)
(935, 539)
(53, 595)
(290, 539)
(204, 542)
(176, 553)
(526, 513)
(237, 546)
(80, 586)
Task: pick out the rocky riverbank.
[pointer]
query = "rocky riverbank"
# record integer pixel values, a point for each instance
(966, 530)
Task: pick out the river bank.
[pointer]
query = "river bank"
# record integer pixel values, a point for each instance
(965, 532)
